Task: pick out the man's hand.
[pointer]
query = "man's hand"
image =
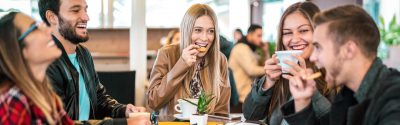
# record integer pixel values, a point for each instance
(301, 89)
(132, 109)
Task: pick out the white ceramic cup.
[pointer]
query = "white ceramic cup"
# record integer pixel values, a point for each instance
(186, 108)
(287, 55)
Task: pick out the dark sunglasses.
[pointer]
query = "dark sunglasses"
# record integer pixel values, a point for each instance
(26, 33)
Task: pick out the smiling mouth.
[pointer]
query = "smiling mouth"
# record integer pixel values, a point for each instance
(202, 46)
(298, 47)
(81, 26)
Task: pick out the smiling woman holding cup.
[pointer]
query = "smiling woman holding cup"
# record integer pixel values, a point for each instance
(294, 48)
(184, 70)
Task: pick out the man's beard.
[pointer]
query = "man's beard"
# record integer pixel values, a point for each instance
(68, 32)
(336, 71)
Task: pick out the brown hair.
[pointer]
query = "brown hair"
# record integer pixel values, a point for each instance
(15, 69)
(351, 22)
(280, 91)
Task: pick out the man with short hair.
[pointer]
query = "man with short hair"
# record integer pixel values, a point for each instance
(346, 40)
(244, 61)
(73, 75)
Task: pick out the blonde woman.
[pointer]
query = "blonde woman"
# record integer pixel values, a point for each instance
(26, 96)
(184, 70)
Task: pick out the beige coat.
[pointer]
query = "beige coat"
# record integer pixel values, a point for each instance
(244, 64)
(169, 82)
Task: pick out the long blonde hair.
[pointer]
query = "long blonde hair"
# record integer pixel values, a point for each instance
(212, 58)
(14, 68)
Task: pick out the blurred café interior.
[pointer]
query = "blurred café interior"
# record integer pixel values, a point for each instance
(125, 35)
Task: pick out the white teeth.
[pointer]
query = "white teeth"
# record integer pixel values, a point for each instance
(299, 47)
(202, 44)
(81, 25)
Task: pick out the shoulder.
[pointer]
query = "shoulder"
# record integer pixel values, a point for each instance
(386, 100)
(169, 52)
(238, 49)
(390, 86)
(223, 59)
(15, 99)
(173, 48)
(241, 46)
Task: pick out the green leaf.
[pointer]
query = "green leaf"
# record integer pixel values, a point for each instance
(190, 102)
(382, 22)
(204, 101)
(390, 36)
(392, 24)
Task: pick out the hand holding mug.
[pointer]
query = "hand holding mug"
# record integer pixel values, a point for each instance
(272, 71)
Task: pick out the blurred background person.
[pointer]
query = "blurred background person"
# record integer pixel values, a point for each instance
(244, 62)
(26, 50)
(263, 51)
(173, 37)
(237, 35)
(184, 70)
(268, 94)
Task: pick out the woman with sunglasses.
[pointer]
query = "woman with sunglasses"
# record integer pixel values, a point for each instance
(26, 50)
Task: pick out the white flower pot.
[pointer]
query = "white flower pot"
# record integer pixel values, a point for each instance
(198, 119)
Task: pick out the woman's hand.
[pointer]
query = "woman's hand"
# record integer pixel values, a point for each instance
(272, 70)
(189, 54)
(295, 68)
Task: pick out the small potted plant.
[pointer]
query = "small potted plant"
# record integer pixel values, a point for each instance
(202, 109)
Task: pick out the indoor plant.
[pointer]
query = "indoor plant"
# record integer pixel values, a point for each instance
(202, 109)
(390, 36)
(389, 48)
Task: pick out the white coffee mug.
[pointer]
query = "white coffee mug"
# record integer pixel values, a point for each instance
(186, 108)
(287, 55)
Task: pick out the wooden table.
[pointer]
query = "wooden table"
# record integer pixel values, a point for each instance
(171, 120)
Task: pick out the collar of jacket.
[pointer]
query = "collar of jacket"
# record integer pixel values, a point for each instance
(64, 53)
(376, 73)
